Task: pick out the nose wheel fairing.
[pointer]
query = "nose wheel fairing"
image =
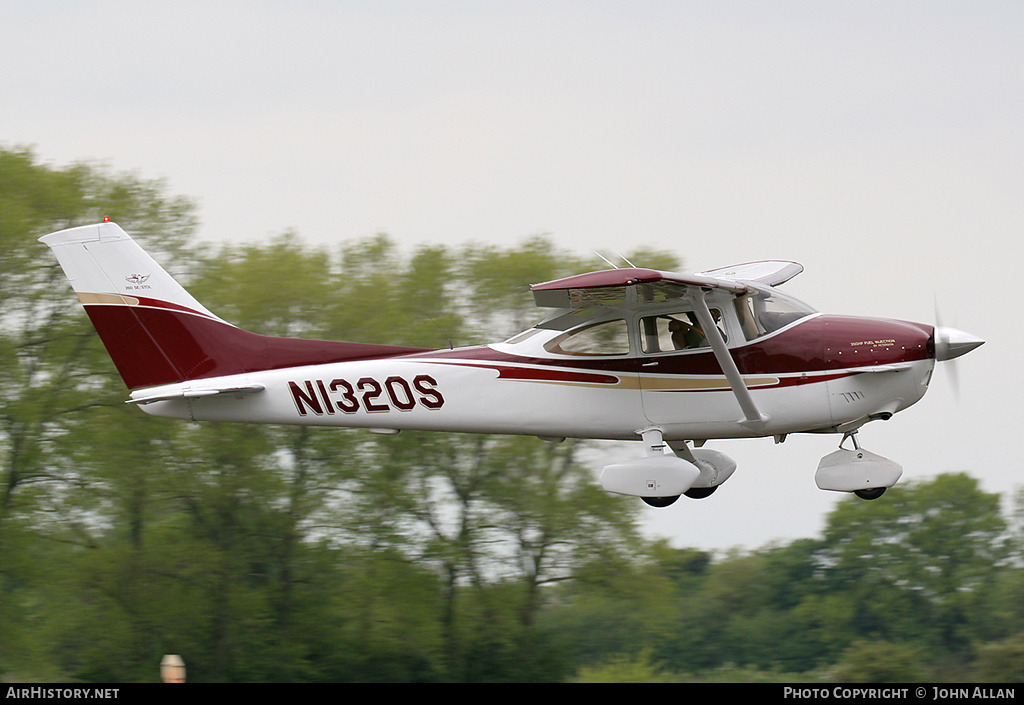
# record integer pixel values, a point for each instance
(856, 470)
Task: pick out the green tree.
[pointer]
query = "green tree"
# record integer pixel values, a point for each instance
(274, 553)
(1001, 661)
(623, 669)
(53, 375)
(617, 608)
(879, 662)
(919, 566)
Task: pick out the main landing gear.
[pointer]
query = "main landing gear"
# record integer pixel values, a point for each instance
(660, 501)
(673, 469)
(669, 471)
(859, 471)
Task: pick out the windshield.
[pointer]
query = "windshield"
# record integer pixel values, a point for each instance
(764, 312)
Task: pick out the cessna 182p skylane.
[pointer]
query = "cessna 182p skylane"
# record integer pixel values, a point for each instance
(631, 353)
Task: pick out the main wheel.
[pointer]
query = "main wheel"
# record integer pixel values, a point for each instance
(872, 493)
(660, 501)
(700, 492)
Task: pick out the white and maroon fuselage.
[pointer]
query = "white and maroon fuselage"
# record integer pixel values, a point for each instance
(625, 354)
(817, 373)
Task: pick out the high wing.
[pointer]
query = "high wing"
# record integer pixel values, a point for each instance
(636, 286)
(769, 272)
(624, 287)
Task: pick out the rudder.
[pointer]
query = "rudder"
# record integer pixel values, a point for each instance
(156, 332)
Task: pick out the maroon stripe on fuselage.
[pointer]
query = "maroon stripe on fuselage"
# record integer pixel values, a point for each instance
(152, 346)
(157, 303)
(158, 343)
(781, 382)
(546, 373)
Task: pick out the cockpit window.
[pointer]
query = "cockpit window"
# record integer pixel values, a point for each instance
(676, 331)
(604, 338)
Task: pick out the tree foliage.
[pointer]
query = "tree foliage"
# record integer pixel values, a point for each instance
(267, 553)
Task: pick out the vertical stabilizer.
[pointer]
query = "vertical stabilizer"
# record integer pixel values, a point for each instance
(106, 266)
(157, 333)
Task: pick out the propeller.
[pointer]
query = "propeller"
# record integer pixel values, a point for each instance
(951, 343)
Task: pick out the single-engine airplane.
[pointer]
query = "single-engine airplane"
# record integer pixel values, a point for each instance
(670, 359)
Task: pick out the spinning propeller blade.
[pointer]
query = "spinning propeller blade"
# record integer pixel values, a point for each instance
(951, 343)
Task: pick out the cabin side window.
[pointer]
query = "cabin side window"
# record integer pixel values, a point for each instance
(675, 331)
(604, 338)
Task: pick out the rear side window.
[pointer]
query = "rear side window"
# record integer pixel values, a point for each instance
(597, 339)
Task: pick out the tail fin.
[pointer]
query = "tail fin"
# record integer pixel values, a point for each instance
(157, 333)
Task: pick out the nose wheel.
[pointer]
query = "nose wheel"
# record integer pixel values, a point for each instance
(871, 492)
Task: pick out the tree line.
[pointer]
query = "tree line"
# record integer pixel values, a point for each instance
(272, 553)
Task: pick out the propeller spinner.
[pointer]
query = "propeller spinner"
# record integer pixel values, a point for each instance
(951, 343)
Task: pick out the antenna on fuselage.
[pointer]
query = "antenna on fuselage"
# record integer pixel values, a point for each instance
(626, 260)
(612, 264)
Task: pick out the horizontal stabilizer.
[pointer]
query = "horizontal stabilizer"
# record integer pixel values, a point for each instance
(195, 393)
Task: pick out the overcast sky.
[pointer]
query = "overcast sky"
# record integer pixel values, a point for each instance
(881, 144)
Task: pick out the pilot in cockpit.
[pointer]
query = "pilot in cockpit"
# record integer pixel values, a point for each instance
(687, 335)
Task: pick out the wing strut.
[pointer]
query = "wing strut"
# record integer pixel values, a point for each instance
(752, 417)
